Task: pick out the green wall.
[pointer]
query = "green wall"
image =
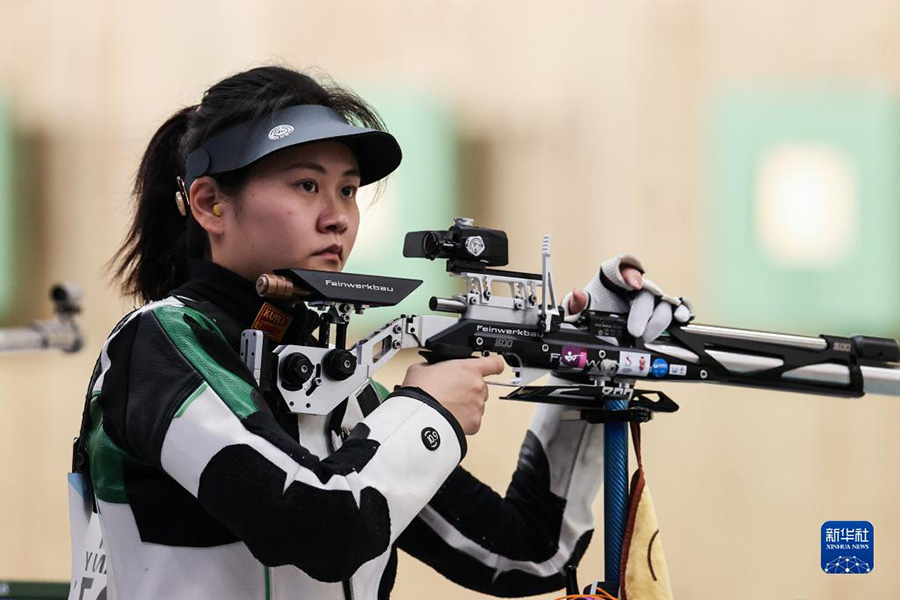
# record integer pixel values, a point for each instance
(8, 232)
(422, 194)
(854, 294)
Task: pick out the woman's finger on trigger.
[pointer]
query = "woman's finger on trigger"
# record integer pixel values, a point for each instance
(641, 310)
(488, 365)
(659, 321)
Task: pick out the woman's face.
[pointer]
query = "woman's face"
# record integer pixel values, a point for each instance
(297, 210)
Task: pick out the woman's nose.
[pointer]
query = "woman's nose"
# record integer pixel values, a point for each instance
(334, 215)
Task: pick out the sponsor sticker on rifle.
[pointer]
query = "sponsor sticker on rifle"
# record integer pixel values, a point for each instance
(271, 321)
(574, 357)
(680, 370)
(634, 363)
(659, 367)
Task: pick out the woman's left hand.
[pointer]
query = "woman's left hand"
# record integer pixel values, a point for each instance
(650, 310)
(578, 301)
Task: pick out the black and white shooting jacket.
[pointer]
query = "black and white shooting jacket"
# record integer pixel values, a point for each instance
(208, 488)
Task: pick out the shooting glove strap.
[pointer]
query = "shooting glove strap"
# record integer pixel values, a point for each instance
(608, 291)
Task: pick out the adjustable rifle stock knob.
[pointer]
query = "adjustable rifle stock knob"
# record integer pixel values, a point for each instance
(296, 369)
(275, 287)
(339, 364)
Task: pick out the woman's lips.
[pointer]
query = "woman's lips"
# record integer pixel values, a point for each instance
(332, 252)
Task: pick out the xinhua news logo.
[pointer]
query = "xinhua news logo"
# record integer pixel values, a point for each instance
(848, 547)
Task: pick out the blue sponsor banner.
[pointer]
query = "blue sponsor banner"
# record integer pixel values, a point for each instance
(848, 547)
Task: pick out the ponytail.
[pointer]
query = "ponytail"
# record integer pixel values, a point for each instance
(153, 259)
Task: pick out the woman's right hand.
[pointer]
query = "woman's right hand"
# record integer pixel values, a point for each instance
(458, 385)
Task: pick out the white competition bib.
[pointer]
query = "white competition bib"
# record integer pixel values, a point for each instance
(88, 553)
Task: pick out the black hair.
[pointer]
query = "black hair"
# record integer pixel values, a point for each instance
(153, 258)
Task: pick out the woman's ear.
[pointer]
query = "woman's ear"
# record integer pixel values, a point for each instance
(207, 203)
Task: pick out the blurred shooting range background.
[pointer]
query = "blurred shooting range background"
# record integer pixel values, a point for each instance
(747, 151)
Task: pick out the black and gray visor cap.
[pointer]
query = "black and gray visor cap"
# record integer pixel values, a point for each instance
(377, 152)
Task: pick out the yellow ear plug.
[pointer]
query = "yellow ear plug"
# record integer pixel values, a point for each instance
(216, 210)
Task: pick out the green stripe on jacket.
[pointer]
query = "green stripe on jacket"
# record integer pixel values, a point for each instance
(234, 391)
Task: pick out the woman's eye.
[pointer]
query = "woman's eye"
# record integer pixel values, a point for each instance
(348, 191)
(309, 186)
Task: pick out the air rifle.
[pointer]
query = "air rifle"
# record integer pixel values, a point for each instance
(599, 363)
(527, 327)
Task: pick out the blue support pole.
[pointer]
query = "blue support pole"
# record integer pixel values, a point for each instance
(615, 494)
